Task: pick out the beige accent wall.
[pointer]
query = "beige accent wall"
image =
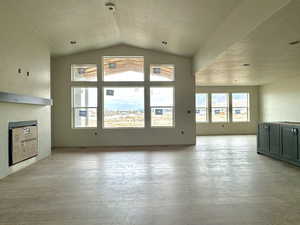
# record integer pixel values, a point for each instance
(280, 101)
(63, 133)
(21, 48)
(231, 127)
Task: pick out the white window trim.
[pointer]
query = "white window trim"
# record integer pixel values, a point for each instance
(131, 56)
(85, 81)
(227, 108)
(102, 105)
(158, 81)
(73, 109)
(173, 107)
(248, 108)
(207, 109)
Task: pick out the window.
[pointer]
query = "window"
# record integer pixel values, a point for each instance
(123, 107)
(84, 72)
(162, 106)
(240, 107)
(84, 107)
(219, 107)
(162, 72)
(201, 107)
(125, 68)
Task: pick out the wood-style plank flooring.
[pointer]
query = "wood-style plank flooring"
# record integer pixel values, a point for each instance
(221, 181)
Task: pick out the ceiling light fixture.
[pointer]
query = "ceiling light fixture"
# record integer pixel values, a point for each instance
(73, 42)
(294, 42)
(164, 42)
(111, 6)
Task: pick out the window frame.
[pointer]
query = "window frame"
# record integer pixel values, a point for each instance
(173, 107)
(207, 108)
(120, 81)
(84, 81)
(162, 64)
(73, 108)
(228, 119)
(102, 105)
(248, 108)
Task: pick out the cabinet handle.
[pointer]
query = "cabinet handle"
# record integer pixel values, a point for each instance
(294, 131)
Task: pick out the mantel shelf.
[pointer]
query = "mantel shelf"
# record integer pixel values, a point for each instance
(23, 99)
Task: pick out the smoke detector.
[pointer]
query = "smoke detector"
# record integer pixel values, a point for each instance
(111, 6)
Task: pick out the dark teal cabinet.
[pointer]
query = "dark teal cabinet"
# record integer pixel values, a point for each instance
(275, 143)
(280, 141)
(264, 138)
(290, 136)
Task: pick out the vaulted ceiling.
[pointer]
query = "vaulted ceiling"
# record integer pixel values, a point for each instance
(185, 25)
(220, 35)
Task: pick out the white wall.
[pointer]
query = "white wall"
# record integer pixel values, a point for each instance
(280, 101)
(20, 48)
(231, 128)
(64, 135)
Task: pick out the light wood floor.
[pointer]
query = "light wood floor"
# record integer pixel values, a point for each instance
(221, 181)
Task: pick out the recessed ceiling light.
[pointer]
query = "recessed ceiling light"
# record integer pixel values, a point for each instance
(246, 64)
(164, 42)
(73, 42)
(294, 42)
(111, 6)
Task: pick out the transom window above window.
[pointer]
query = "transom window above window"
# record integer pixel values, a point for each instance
(123, 68)
(219, 107)
(162, 72)
(84, 72)
(201, 107)
(240, 107)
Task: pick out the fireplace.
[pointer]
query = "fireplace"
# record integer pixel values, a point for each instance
(23, 141)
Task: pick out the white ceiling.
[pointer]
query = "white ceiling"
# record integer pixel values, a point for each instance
(266, 48)
(143, 23)
(221, 35)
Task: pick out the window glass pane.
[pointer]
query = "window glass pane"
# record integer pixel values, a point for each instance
(162, 117)
(161, 96)
(162, 102)
(85, 97)
(240, 114)
(85, 117)
(126, 68)
(219, 100)
(201, 115)
(219, 114)
(85, 72)
(201, 100)
(240, 99)
(162, 72)
(123, 107)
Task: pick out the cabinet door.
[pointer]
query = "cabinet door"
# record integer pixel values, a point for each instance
(264, 138)
(275, 139)
(290, 143)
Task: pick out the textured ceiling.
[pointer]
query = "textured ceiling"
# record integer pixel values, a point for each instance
(267, 49)
(229, 33)
(186, 25)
